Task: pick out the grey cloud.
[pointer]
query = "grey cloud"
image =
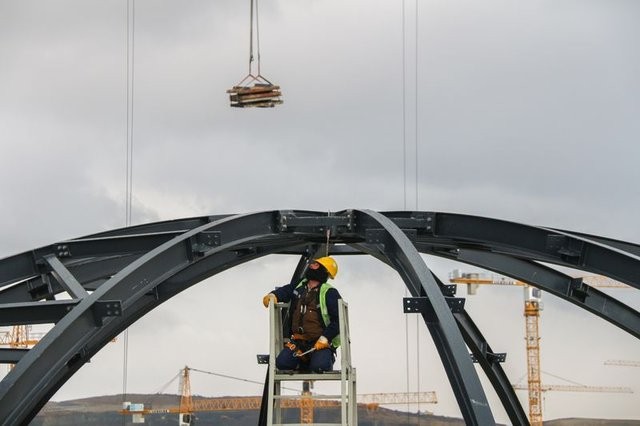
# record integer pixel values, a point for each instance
(526, 112)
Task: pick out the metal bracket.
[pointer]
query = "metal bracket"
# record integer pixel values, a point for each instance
(449, 290)
(489, 356)
(578, 289)
(288, 221)
(569, 250)
(430, 218)
(79, 356)
(42, 289)
(202, 242)
(62, 250)
(106, 308)
(422, 305)
(422, 222)
(380, 236)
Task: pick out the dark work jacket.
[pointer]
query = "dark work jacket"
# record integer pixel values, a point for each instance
(288, 293)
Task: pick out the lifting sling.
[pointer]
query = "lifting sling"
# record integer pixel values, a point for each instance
(254, 90)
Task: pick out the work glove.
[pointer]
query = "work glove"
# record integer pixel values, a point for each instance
(321, 343)
(269, 297)
(290, 345)
(296, 336)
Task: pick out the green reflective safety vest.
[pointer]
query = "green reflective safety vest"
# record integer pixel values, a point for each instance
(324, 312)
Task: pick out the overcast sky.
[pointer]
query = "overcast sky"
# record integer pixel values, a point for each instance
(524, 111)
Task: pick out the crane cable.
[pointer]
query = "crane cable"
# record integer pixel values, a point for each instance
(404, 179)
(233, 378)
(416, 202)
(254, 22)
(416, 166)
(130, 31)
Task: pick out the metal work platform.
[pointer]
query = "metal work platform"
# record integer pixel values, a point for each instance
(346, 377)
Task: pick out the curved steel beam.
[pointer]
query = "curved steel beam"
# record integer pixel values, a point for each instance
(458, 365)
(479, 347)
(535, 243)
(80, 333)
(561, 285)
(132, 270)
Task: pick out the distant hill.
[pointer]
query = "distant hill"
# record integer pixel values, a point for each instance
(103, 411)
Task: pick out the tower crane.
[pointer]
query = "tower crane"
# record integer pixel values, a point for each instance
(188, 405)
(19, 337)
(532, 307)
(578, 388)
(571, 388)
(622, 362)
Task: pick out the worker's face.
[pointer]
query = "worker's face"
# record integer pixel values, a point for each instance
(316, 272)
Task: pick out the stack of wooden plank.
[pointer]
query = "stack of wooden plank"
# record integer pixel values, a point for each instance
(259, 95)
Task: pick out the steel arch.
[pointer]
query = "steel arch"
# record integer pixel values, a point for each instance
(114, 278)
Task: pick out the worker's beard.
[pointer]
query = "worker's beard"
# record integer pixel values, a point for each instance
(316, 275)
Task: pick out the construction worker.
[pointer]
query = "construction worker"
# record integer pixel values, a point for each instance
(313, 318)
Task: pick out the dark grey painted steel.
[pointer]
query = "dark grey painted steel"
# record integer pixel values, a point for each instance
(444, 331)
(27, 313)
(12, 355)
(132, 270)
(478, 345)
(65, 278)
(561, 285)
(69, 343)
(482, 351)
(535, 243)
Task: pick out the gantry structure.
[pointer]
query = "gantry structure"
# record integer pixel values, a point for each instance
(93, 288)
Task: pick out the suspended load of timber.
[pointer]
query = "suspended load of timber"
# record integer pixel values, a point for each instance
(254, 90)
(258, 92)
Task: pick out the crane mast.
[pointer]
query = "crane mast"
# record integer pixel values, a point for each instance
(186, 400)
(532, 308)
(532, 337)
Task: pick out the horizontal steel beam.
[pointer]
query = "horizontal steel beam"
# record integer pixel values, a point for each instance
(12, 355)
(47, 312)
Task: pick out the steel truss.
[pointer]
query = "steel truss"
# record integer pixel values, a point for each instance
(114, 278)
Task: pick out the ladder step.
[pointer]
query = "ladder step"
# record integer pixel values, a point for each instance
(337, 398)
(296, 372)
(309, 376)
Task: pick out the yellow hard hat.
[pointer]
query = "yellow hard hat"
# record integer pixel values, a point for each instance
(329, 264)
